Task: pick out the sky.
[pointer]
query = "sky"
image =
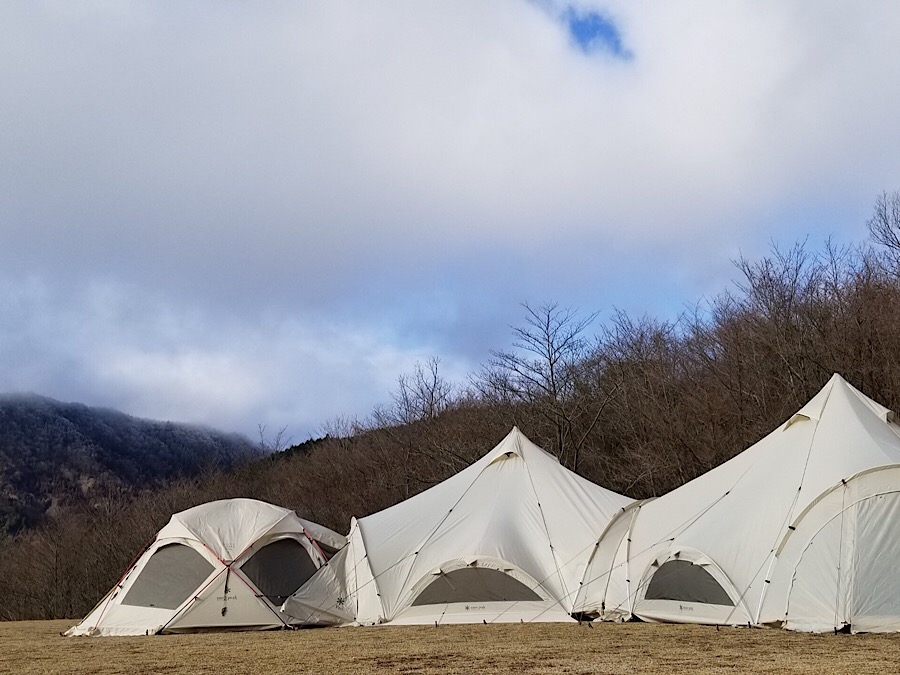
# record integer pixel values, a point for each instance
(242, 214)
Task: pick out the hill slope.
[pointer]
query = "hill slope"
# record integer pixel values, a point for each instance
(50, 450)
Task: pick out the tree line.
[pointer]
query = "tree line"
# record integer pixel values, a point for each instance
(636, 404)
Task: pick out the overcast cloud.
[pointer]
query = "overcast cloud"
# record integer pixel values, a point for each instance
(240, 213)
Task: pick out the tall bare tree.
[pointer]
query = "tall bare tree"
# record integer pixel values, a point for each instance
(884, 225)
(542, 371)
(423, 395)
(277, 443)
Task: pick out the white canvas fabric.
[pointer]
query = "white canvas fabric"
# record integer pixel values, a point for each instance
(505, 540)
(801, 530)
(192, 577)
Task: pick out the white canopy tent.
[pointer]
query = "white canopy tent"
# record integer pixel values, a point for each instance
(800, 530)
(505, 540)
(225, 565)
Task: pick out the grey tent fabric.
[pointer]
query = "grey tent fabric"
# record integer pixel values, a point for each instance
(279, 569)
(169, 577)
(684, 581)
(474, 584)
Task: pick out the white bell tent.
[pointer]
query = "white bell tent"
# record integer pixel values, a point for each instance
(505, 540)
(225, 565)
(800, 530)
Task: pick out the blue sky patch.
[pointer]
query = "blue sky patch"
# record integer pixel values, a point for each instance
(593, 32)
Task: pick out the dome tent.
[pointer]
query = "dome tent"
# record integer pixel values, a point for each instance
(224, 565)
(800, 530)
(504, 540)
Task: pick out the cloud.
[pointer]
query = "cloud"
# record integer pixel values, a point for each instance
(194, 200)
(124, 348)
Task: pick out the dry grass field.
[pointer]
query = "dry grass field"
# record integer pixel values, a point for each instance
(36, 647)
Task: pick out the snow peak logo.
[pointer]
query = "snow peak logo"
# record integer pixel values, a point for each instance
(469, 608)
(226, 597)
(685, 608)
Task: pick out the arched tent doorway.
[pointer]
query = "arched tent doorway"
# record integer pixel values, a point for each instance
(686, 585)
(476, 589)
(837, 566)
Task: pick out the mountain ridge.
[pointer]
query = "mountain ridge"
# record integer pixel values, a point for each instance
(52, 450)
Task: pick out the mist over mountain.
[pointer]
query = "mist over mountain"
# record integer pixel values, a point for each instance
(50, 451)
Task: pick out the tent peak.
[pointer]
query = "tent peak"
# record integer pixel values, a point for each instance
(837, 385)
(518, 444)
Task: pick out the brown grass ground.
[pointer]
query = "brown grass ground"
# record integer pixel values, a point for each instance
(36, 647)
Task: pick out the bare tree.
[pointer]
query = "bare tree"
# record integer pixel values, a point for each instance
(884, 225)
(542, 371)
(419, 401)
(423, 395)
(341, 427)
(279, 442)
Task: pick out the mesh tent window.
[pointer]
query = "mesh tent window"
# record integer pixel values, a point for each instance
(279, 569)
(172, 574)
(474, 584)
(686, 582)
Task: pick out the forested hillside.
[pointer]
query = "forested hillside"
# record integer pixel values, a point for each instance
(52, 451)
(636, 404)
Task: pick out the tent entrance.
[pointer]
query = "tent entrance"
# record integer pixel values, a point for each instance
(278, 569)
(846, 572)
(477, 580)
(876, 591)
(686, 586)
(474, 584)
(171, 575)
(685, 581)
